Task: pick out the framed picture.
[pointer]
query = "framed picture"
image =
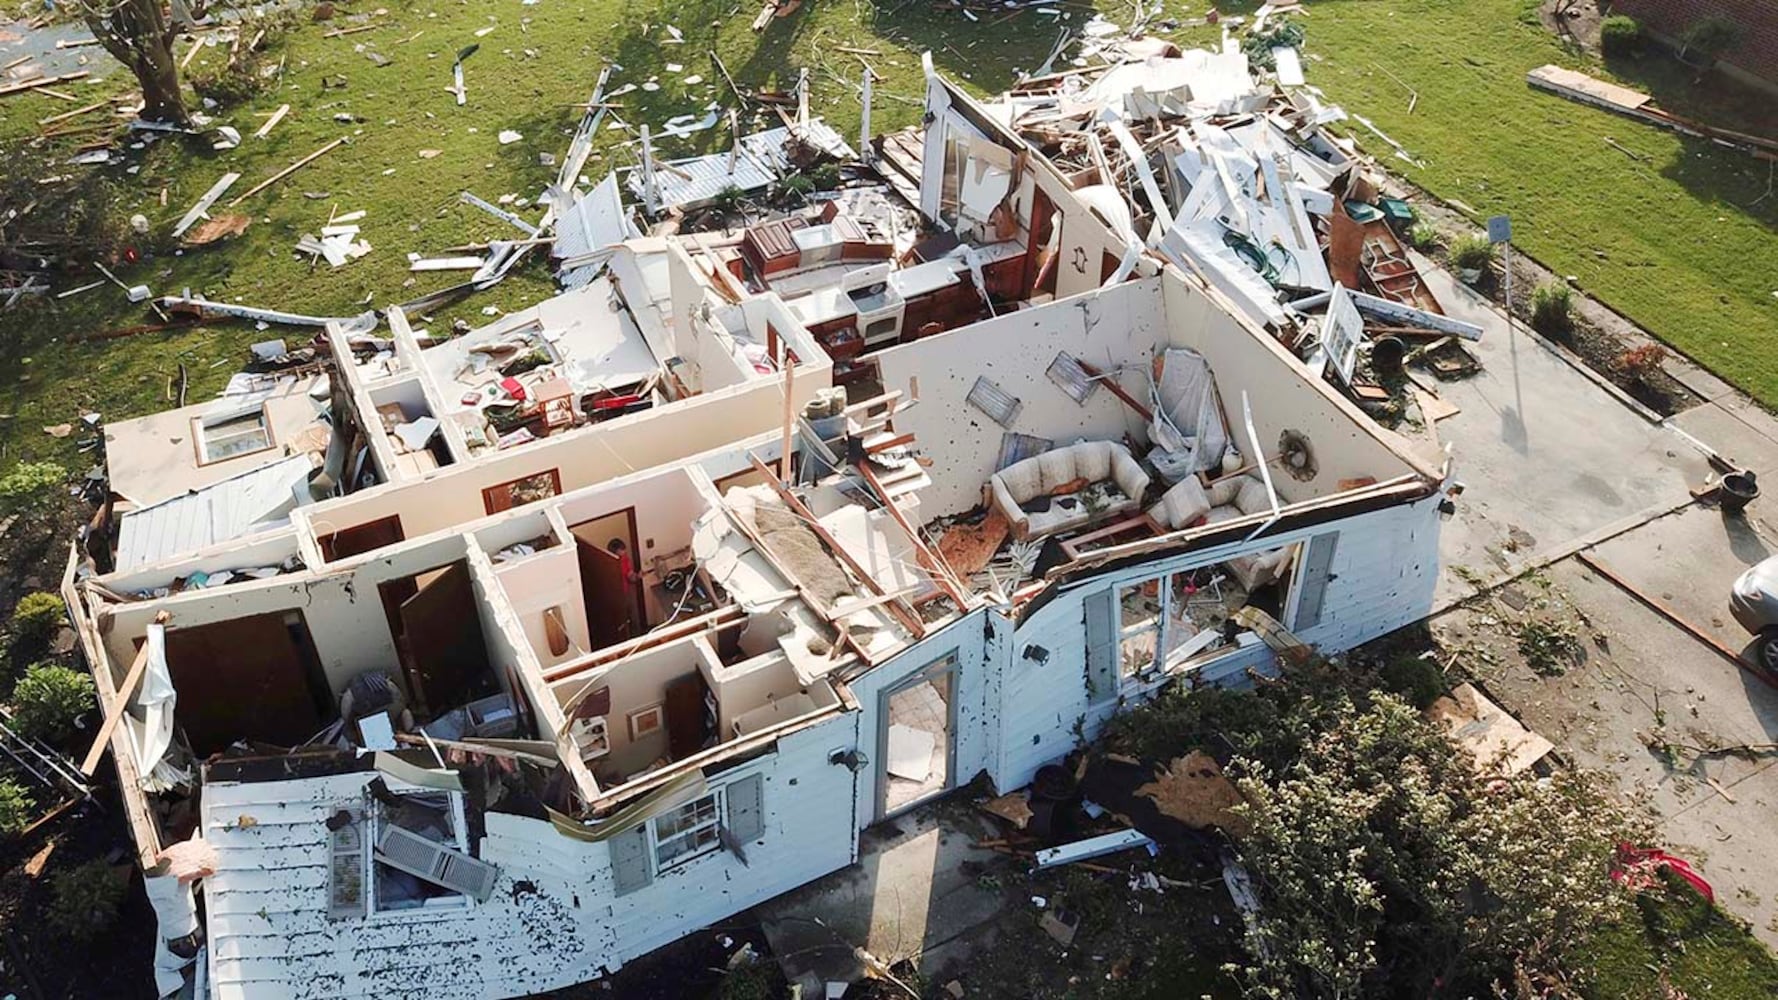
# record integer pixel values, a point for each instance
(646, 721)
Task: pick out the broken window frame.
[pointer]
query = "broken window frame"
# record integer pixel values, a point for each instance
(701, 837)
(1164, 660)
(204, 437)
(372, 819)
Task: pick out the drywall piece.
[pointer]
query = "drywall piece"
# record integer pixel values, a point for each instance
(1290, 66)
(198, 210)
(909, 752)
(1093, 847)
(446, 264)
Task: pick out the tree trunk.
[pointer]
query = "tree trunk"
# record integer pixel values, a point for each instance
(136, 33)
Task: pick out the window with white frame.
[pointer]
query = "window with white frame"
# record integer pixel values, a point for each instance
(687, 831)
(233, 434)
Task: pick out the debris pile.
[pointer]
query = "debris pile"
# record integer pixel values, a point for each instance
(1224, 163)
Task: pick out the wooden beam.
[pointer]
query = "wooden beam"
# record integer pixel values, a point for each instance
(903, 614)
(287, 171)
(1116, 390)
(114, 714)
(40, 82)
(947, 581)
(784, 470)
(1661, 608)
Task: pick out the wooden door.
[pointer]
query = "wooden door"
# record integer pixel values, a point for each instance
(610, 603)
(684, 709)
(252, 678)
(361, 538)
(447, 661)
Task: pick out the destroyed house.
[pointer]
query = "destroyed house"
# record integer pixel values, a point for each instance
(471, 712)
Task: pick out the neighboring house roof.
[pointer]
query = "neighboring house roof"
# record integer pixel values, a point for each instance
(271, 935)
(257, 499)
(1757, 50)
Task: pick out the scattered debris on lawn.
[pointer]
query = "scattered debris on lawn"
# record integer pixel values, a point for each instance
(1581, 88)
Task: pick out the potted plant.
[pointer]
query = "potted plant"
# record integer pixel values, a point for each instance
(1471, 254)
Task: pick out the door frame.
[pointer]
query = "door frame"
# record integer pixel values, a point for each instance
(639, 623)
(946, 664)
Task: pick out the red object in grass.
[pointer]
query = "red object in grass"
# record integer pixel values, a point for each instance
(1635, 867)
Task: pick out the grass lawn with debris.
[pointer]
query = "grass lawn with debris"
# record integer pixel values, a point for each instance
(530, 75)
(1666, 234)
(1660, 238)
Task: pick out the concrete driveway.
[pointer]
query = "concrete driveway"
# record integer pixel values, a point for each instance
(1556, 464)
(1548, 457)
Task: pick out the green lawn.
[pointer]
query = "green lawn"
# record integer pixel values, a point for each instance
(1667, 240)
(1662, 240)
(1677, 939)
(528, 75)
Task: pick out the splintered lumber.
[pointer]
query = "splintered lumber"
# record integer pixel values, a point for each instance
(64, 116)
(287, 171)
(41, 82)
(114, 714)
(203, 205)
(277, 116)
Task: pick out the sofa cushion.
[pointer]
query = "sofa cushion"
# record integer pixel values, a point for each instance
(1182, 505)
(1092, 460)
(1253, 498)
(1057, 467)
(1023, 480)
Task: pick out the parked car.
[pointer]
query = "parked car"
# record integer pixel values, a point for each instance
(1754, 603)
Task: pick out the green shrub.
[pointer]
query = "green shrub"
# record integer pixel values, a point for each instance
(36, 616)
(826, 175)
(15, 809)
(84, 900)
(48, 699)
(1550, 306)
(1620, 35)
(1472, 252)
(29, 484)
(1419, 681)
(1423, 236)
(1707, 39)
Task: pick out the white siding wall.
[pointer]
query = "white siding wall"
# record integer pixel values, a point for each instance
(976, 697)
(808, 833)
(1381, 579)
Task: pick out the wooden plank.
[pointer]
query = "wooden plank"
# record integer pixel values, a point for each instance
(1661, 608)
(114, 714)
(64, 116)
(1116, 390)
(42, 81)
(277, 116)
(287, 171)
(784, 453)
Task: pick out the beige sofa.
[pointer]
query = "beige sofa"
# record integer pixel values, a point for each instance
(1188, 503)
(1108, 468)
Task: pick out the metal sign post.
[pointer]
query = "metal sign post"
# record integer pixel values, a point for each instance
(1500, 233)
